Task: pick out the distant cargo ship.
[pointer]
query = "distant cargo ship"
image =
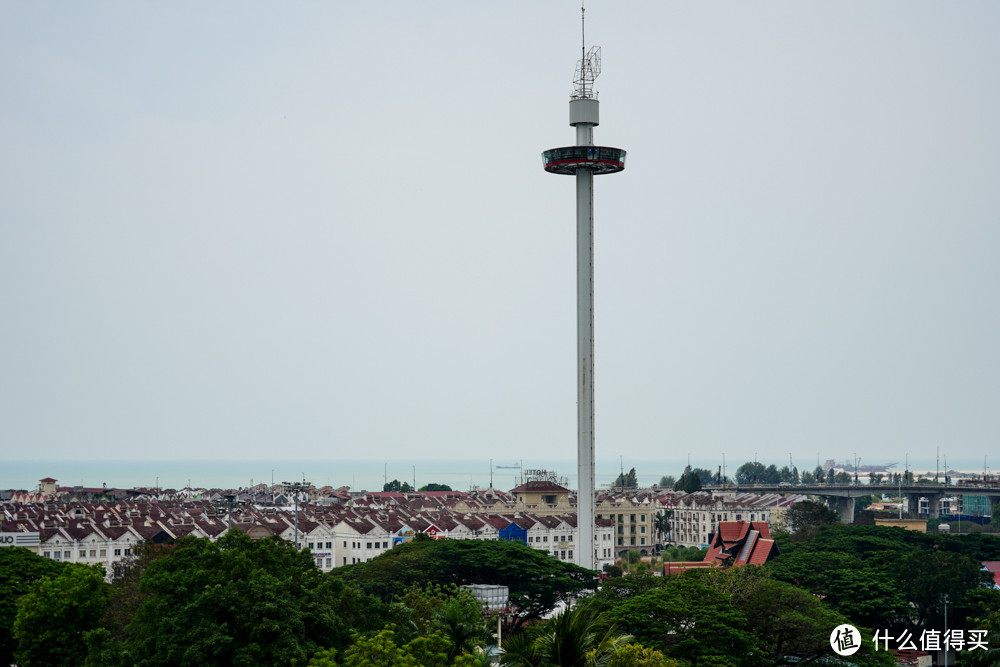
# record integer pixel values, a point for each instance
(861, 468)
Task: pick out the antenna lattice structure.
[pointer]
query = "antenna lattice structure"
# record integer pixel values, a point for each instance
(587, 69)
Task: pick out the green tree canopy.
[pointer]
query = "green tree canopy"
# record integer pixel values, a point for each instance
(689, 482)
(396, 485)
(882, 577)
(536, 580)
(751, 472)
(54, 615)
(626, 480)
(19, 570)
(240, 601)
(576, 637)
(689, 621)
(434, 486)
(809, 513)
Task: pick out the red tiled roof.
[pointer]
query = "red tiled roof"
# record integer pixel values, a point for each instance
(746, 543)
(761, 552)
(733, 531)
(539, 486)
(993, 566)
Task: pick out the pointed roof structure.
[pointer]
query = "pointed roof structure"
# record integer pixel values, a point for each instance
(737, 543)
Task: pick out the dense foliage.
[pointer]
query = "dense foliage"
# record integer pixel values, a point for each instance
(536, 580)
(54, 615)
(731, 617)
(234, 601)
(19, 570)
(885, 577)
(237, 601)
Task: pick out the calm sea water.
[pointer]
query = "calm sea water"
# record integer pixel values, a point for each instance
(357, 474)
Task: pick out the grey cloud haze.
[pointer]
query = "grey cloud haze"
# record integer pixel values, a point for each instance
(323, 229)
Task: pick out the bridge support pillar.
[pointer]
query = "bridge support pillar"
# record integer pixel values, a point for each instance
(845, 508)
(993, 500)
(913, 504)
(934, 506)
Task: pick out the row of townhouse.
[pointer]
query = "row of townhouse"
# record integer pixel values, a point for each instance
(359, 534)
(692, 519)
(695, 517)
(108, 533)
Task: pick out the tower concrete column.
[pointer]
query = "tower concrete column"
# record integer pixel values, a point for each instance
(584, 161)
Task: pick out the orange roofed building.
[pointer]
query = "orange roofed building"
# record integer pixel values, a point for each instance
(738, 543)
(733, 544)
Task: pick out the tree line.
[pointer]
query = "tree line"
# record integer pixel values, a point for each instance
(238, 601)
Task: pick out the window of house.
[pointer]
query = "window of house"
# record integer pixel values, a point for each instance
(369, 545)
(118, 552)
(104, 553)
(569, 538)
(128, 552)
(67, 554)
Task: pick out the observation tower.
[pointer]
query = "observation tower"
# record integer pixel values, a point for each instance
(584, 161)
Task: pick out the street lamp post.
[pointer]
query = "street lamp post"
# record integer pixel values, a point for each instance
(230, 497)
(946, 630)
(296, 488)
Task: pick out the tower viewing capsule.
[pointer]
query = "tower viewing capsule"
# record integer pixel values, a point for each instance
(584, 160)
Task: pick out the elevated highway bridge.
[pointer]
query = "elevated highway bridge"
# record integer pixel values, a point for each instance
(842, 496)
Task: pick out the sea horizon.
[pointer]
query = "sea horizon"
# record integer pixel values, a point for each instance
(364, 474)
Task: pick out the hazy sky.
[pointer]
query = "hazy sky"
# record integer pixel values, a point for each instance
(322, 230)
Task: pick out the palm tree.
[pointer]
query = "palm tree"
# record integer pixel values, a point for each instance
(574, 638)
(661, 523)
(463, 627)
